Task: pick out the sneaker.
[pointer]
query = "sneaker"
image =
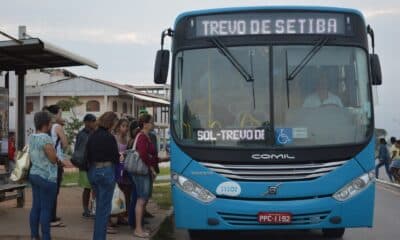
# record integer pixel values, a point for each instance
(87, 215)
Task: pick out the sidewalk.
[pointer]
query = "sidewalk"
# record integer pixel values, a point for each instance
(14, 222)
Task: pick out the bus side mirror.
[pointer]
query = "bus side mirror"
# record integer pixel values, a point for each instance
(161, 67)
(375, 69)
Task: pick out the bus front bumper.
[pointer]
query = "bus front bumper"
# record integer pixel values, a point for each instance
(234, 214)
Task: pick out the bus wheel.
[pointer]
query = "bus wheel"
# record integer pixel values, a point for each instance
(333, 232)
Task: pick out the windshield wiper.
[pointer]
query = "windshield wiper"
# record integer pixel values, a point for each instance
(306, 59)
(224, 51)
(239, 67)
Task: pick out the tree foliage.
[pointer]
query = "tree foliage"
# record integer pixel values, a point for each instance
(73, 124)
(69, 104)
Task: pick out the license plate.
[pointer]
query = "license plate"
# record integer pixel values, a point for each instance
(274, 218)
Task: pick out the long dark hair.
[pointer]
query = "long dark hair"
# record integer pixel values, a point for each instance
(144, 118)
(133, 131)
(41, 119)
(137, 125)
(133, 128)
(53, 109)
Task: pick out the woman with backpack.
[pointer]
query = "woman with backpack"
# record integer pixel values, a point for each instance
(78, 159)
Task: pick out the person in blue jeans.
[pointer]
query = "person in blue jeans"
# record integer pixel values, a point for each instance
(133, 130)
(102, 157)
(42, 176)
(384, 159)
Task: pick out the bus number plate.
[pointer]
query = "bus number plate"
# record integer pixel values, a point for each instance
(274, 218)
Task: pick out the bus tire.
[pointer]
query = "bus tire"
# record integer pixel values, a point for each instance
(335, 233)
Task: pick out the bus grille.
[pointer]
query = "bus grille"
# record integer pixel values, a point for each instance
(252, 219)
(273, 172)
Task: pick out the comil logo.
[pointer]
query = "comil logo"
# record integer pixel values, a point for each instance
(266, 156)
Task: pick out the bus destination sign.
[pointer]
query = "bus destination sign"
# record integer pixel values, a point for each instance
(269, 24)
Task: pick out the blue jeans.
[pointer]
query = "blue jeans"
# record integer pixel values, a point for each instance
(379, 165)
(131, 213)
(103, 184)
(43, 196)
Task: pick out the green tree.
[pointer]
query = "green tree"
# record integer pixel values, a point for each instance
(69, 104)
(73, 124)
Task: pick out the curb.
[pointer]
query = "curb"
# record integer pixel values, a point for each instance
(167, 215)
(388, 183)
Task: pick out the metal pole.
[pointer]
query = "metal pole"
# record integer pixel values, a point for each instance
(11, 37)
(21, 109)
(7, 80)
(22, 32)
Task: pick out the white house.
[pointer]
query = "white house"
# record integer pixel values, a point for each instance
(47, 87)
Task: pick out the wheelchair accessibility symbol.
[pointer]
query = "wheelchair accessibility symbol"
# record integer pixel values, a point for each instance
(283, 136)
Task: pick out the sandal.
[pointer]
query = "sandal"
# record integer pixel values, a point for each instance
(142, 235)
(122, 221)
(111, 230)
(112, 224)
(57, 224)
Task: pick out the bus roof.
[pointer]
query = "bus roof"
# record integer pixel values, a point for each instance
(242, 9)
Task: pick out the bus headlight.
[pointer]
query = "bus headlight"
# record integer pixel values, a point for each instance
(355, 186)
(192, 188)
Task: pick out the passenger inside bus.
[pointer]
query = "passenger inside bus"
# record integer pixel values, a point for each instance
(322, 96)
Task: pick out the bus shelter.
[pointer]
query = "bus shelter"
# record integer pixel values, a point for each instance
(20, 55)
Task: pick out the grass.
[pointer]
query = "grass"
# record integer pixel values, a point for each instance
(70, 178)
(162, 195)
(165, 171)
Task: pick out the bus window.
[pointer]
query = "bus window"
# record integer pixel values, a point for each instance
(216, 96)
(323, 102)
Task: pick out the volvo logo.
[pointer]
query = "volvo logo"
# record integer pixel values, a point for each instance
(273, 190)
(282, 156)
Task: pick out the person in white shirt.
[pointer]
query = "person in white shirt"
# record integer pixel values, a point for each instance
(322, 96)
(61, 144)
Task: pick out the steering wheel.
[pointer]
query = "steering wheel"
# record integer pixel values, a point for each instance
(330, 105)
(215, 124)
(249, 119)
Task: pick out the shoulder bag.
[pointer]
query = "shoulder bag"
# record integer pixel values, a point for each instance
(22, 165)
(133, 163)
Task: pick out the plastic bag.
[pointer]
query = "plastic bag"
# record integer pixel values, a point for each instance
(118, 205)
(23, 163)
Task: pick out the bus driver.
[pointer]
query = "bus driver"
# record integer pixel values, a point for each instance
(322, 96)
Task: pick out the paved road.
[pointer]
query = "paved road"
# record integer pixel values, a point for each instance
(386, 226)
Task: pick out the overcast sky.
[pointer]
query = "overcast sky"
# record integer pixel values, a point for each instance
(122, 36)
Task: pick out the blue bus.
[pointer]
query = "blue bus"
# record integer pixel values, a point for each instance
(272, 122)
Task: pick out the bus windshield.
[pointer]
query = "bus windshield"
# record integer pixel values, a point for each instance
(327, 103)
